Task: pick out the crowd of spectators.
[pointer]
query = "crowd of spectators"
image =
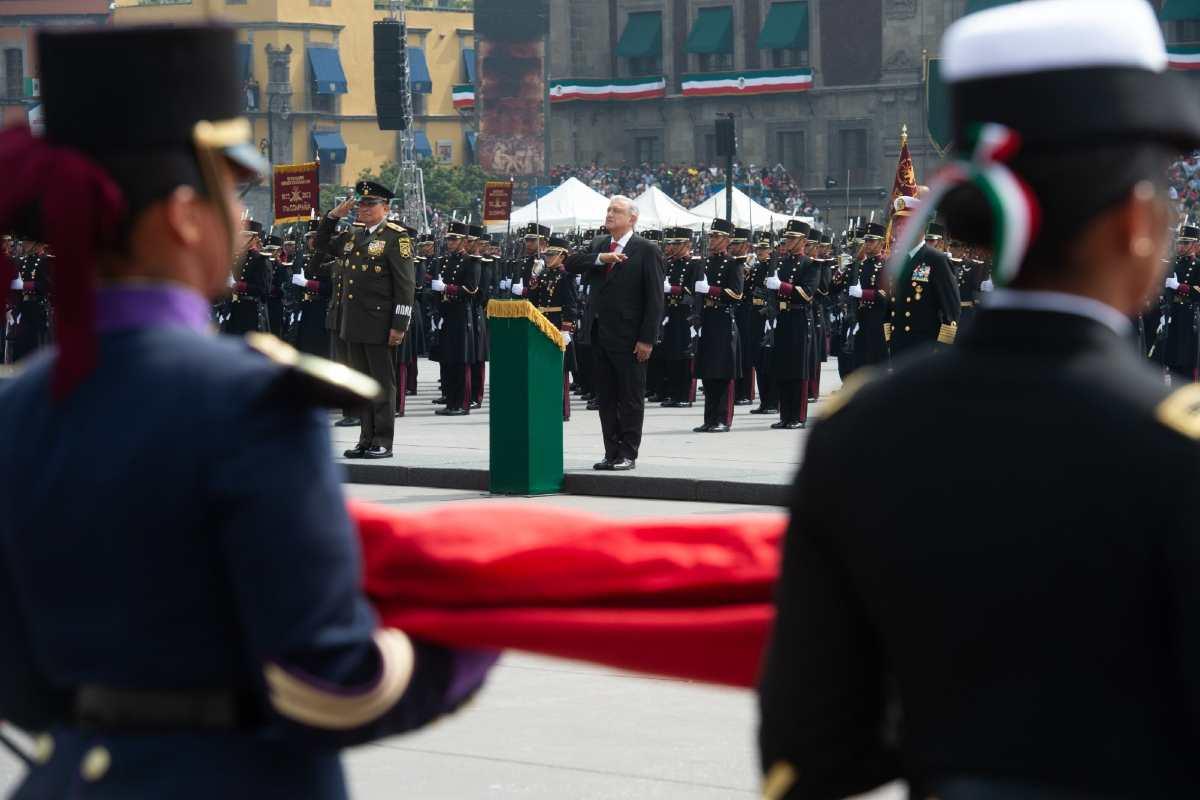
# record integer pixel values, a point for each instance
(690, 185)
(1184, 178)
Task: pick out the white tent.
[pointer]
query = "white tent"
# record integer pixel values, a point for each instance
(746, 212)
(657, 210)
(571, 204)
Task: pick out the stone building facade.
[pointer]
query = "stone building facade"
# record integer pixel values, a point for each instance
(867, 59)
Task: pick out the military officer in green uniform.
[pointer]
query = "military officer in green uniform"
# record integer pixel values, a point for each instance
(376, 305)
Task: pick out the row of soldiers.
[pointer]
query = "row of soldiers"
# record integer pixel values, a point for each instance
(29, 312)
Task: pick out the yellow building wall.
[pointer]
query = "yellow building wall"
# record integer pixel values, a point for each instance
(441, 33)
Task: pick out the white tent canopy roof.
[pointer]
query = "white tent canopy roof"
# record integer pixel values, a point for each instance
(572, 204)
(656, 209)
(746, 212)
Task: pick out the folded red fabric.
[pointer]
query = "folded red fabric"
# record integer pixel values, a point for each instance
(687, 597)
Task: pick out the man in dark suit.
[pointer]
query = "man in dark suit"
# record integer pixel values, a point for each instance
(1047, 649)
(626, 308)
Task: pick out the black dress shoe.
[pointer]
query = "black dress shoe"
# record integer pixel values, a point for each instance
(593, 405)
(793, 426)
(705, 428)
(347, 422)
(761, 410)
(745, 402)
(378, 451)
(476, 404)
(652, 398)
(678, 404)
(441, 401)
(606, 464)
(359, 451)
(623, 464)
(589, 396)
(451, 412)
(720, 427)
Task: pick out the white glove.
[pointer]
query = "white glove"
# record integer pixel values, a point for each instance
(231, 281)
(702, 286)
(566, 336)
(856, 290)
(298, 280)
(666, 285)
(538, 266)
(437, 285)
(518, 288)
(695, 333)
(1172, 282)
(987, 285)
(666, 320)
(773, 282)
(19, 284)
(441, 322)
(505, 284)
(774, 324)
(855, 331)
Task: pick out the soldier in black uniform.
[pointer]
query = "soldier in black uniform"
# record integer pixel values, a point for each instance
(553, 292)
(31, 311)
(377, 257)
(314, 277)
(1049, 650)
(1182, 355)
(925, 308)
(749, 321)
(478, 245)
(822, 313)
(766, 303)
(251, 286)
(718, 353)
(584, 355)
(871, 309)
(677, 346)
(795, 279)
(281, 279)
(454, 285)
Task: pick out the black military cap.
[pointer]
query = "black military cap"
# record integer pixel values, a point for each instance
(135, 100)
(797, 228)
(426, 238)
(826, 238)
(535, 231)
(652, 235)
(313, 225)
(273, 241)
(373, 189)
(764, 240)
(741, 234)
(1189, 233)
(456, 230)
(558, 244)
(873, 230)
(721, 226)
(676, 235)
(253, 226)
(476, 232)
(936, 230)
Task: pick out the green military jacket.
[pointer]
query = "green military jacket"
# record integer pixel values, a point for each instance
(378, 281)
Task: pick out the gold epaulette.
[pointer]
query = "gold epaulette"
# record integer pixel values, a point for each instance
(357, 225)
(315, 379)
(397, 228)
(850, 387)
(1181, 411)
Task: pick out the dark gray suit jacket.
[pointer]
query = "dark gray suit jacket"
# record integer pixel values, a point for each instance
(627, 301)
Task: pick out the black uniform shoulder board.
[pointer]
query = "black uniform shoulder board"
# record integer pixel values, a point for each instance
(397, 228)
(310, 379)
(1180, 411)
(850, 387)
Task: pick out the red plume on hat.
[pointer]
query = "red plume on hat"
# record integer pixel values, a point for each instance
(76, 224)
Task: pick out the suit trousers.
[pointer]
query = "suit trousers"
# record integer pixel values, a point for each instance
(718, 401)
(620, 383)
(378, 422)
(677, 380)
(768, 390)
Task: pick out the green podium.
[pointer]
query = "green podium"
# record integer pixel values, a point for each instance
(525, 404)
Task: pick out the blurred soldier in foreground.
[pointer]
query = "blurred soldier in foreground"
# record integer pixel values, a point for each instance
(1049, 649)
(207, 635)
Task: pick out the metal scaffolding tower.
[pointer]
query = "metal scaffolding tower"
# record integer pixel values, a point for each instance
(410, 182)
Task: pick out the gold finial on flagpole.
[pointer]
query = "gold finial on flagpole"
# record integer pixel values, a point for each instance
(904, 134)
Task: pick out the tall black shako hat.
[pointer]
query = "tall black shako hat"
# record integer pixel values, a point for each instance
(130, 114)
(722, 227)
(1043, 79)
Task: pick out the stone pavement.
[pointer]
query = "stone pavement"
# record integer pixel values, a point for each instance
(750, 464)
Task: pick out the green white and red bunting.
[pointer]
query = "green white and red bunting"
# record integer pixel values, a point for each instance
(463, 96)
(562, 91)
(758, 82)
(1183, 56)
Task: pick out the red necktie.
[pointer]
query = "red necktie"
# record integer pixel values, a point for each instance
(612, 248)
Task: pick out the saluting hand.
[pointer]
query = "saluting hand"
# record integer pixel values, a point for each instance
(343, 209)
